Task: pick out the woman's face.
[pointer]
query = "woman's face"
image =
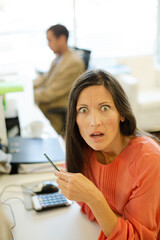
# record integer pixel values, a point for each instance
(98, 119)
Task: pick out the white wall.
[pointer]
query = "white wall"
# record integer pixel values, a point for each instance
(143, 68)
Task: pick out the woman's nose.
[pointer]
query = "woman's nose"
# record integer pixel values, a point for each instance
(95, 119)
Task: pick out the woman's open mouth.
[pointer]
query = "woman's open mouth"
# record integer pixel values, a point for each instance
(96, 135)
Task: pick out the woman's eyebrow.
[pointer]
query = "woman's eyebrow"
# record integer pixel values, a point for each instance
(82, 104)
(102, 103)
(99, 104)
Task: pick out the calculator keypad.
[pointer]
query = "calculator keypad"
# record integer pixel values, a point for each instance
(49, 200)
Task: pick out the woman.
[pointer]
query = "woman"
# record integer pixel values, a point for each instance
(113, 168)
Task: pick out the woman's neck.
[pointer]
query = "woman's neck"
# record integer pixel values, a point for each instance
(108, 157)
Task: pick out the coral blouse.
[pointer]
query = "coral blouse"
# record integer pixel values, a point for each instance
(131, 186)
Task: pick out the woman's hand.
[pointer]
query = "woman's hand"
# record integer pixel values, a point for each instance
(76, 187)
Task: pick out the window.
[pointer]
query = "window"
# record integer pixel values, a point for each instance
(23, 32)
(110, 28)
(113, 28)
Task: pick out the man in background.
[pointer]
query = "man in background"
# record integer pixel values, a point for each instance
(51, 89)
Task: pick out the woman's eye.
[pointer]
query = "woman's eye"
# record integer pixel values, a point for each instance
(83, 110)
(105, 108)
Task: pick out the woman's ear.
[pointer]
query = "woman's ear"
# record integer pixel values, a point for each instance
(122, 119)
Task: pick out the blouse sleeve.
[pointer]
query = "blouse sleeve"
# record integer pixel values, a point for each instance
(141, 214)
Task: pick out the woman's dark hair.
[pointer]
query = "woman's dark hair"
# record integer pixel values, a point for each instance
(75, 144)
(59, 30)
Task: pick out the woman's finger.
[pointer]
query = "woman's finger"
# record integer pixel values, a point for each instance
(61, 183)
(62, 175)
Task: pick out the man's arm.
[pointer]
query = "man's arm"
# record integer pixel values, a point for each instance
(58, 85)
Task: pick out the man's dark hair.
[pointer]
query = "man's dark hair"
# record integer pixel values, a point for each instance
(59, 30)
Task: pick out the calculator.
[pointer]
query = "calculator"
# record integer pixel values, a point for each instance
(47, 201)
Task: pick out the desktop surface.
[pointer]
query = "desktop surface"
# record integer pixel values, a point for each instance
(66, 223)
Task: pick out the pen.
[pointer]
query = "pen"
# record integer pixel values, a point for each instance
(55, 167)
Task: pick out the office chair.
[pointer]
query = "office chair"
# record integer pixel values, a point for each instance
(85, 55)
(62, 111)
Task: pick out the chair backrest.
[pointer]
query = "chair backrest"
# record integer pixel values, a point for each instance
(85, 54)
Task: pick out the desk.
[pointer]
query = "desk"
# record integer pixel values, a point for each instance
(66, 223)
